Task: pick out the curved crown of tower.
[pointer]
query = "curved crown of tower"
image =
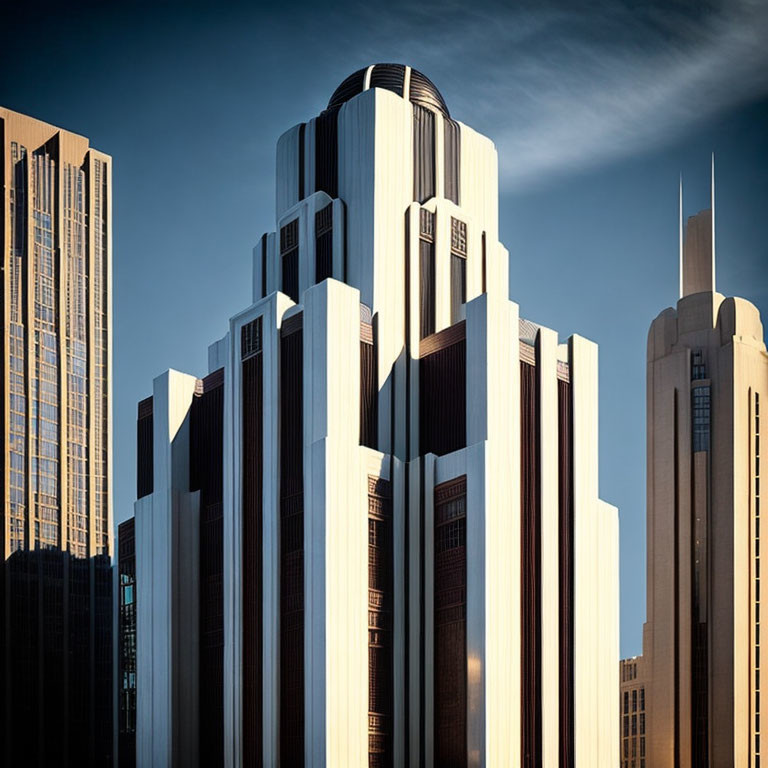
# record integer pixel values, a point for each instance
(421, 90)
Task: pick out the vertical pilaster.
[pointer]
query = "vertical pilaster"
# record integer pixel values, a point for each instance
(493, 525)
(335, 533)
(442, 262)
(109, 407)
(417, 729)
(546, 372)
(583, 361)
(167, 553)
(412, 333)
(272, 320)
(607, 635)
(400, 644)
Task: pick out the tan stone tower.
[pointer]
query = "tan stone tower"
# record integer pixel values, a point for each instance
(56, 518)
(707, 383)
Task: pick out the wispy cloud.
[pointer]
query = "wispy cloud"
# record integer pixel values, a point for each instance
(564, 86)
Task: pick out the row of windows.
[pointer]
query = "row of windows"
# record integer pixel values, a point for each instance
(631, 753)
(628, 671)
(637, 725)
(289, 252)
(43, 408)
(427, 270)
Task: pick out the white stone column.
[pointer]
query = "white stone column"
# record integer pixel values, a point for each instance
(442, 264)
(167, 557)
(586, 626)
(493, 525)
(607, 556)
(400, 647)
(546, 373)
(416, 517)
(335, 533)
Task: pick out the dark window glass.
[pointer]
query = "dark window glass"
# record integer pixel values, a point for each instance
(443, 393)
(327, 153)
(452, 156)
(458, 268)
(324, 243)
(423, 154)
(701, 418)
(289, 254)
(450, 613)
(427, 275)
(380, 623)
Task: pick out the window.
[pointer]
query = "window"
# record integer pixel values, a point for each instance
(450, 605)
(250, 338)
(289, 254)
(458, 268)
(634, 700)
(426, 273)
(423, 154)
(701, 404)
(698, 369)
(626, 702)
(452, 158)
(443, 391)
(324, 243)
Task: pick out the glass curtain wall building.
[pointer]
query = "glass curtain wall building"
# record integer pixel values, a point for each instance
(56, 596)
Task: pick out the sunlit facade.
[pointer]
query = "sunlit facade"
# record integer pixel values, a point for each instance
(372, 533)
(56, 525)
(702, 642)
(632, 734)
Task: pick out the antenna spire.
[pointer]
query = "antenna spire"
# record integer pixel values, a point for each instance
(680, 234)
(712, 206)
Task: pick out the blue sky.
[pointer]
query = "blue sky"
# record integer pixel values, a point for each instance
(596, 108)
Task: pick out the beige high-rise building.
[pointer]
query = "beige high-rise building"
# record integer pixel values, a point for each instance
(632, 726)
(707, 386)
(56, 518)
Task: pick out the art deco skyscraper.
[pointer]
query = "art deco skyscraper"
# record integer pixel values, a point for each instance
(55, 601)
(707, 394)
(372, 532)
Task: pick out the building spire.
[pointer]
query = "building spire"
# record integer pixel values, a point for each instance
(680, 235)
(712, 206)
(697, 246)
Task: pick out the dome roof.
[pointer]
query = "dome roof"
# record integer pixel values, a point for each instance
(421, 90)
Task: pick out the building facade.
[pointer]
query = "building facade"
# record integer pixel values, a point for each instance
(707, 383)
(373, 530)
(632, 680)
(56, 593)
